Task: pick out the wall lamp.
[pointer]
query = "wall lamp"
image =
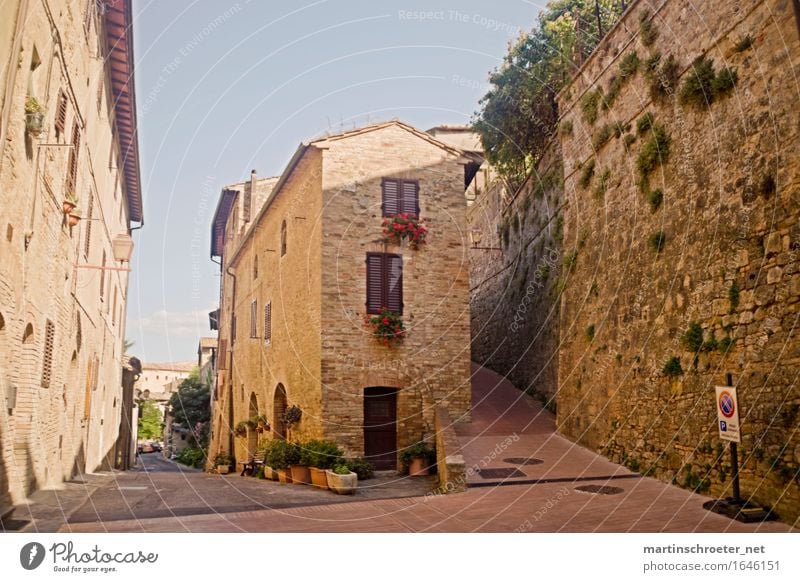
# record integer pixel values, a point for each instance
(122, 249)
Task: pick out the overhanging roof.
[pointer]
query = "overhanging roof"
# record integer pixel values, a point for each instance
(224, 206)
(118, 17)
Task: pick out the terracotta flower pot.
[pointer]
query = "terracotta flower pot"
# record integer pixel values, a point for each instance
(34, 123)
(67, 206)
(300, 475)
(342, 484)
(270, 473)
(223, 469)
(74, 219)
(284, 476)
(319, 478)
(418, 467)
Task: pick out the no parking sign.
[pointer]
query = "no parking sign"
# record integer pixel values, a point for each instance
(728, 414)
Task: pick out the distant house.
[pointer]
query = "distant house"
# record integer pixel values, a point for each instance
(304, 260)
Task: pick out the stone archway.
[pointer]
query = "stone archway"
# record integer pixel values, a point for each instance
(279, 404)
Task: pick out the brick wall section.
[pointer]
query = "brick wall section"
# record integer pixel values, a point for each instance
(722, 226)
(321, 351)
(514, 280)
(450, 465)
(47, 437)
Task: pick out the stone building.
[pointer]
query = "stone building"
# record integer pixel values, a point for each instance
(67, 136)
(304, 260)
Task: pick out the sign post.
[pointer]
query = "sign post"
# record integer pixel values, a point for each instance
(728, 425)
(727, 405)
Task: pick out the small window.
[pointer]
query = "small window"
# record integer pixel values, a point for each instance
(400, 197)
(283, 238)
(255, 266)
(72, 167)
(384, 282)
(268, 323)
(27, 335)
(47, 361)
(253, 323)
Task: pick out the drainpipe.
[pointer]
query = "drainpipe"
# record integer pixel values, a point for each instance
(231, 442)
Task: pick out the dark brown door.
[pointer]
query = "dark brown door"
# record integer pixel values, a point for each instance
(380, 427)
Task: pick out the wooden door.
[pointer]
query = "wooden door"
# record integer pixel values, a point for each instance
(380, 427)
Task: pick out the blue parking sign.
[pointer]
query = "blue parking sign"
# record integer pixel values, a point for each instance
(723, 426)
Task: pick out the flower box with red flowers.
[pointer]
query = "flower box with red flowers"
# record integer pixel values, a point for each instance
(387, 327)
(406, 226)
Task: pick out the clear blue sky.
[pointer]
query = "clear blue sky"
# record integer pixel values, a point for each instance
(225, 87)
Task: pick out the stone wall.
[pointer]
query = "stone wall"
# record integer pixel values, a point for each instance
(514, 278)
(450, 466)
(702, 235)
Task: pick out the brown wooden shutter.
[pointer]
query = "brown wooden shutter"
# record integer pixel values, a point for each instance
(222, 357)
(394, 282)
(47, 362)
(87, 397)
(72, 167)
(89, 211)
(391, 198)
(61, 114)
(384, 282)
(253, 321)
(375, 280)
(409, 198)
(268, 323)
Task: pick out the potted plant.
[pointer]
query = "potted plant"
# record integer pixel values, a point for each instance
(299, 469)
(240, 430)
(292, 415)
(320, 455)
(280, 457)
(262, 423)
(406, 226)
(34, 116)
(74, 217)
(222, 463)
(418, 458)
(69, 203)
(342, 480)
(263, 453)
(387, 327)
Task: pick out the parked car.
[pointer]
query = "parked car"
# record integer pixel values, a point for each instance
(145, 448)
(156, 446)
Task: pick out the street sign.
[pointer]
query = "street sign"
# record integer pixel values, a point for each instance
(728, 414)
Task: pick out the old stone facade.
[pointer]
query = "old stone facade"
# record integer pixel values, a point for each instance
(677, 217)
(62, 294)
(303, 257)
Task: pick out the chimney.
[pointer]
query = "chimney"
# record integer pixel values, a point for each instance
(249, 192)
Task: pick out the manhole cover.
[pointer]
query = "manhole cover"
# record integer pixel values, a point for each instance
(500, 473)
(523, 461)
(600, 489)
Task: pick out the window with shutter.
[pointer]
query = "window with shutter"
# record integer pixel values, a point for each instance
(283, 238)
(384, 282)
(222, 360)
(253, 323)
(61, 114)
(89, 211)
(47, 363)
(72, 168)
(268, 323)
(103, 278)
(400, 197)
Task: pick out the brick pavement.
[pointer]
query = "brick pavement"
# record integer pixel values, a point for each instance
(643, 505)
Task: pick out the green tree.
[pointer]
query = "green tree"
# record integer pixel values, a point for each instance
(191, 403)
(150, 421)
(518, 114)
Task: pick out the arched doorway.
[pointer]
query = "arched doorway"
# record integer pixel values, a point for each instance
(252, 435)
(279, 404)
(380, 426)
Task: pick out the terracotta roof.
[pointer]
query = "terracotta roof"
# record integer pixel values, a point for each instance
(171, 366)
(208, 342)
(118, 18)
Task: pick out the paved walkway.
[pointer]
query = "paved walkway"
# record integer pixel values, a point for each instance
(546, 497)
